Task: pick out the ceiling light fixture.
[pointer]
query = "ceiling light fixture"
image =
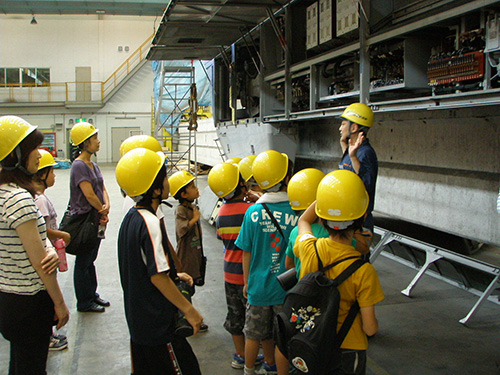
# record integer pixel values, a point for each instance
(33, 21)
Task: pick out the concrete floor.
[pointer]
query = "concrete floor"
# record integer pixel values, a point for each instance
(418, 336)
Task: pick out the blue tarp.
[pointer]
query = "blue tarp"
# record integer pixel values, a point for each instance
(203, 89)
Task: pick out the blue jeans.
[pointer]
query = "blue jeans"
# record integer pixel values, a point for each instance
(85, 278)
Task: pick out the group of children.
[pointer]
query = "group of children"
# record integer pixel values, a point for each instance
(263, 233)
(264, 238)
(255, 224)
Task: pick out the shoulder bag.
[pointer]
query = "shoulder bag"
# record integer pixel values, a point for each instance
(83, 230)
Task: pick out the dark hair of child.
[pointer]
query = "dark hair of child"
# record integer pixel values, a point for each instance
(344, 233)
(41, 176)
(179, 197)
(23, 180)
(238, 190)
(147, 197)
(289, 174)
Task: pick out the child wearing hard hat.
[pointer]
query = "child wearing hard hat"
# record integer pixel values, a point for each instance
(341, 205)
(227, 182)
(147, 271)
(188, 229)
(263, 238)
(43, 179)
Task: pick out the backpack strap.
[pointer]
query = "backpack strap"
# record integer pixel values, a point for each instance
(323, 268)
(276, 224)
(353, 311)
(168, 251)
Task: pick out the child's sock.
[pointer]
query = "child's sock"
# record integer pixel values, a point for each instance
(249, 371)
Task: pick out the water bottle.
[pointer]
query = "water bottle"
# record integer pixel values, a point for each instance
(101, 232)
(60, 246)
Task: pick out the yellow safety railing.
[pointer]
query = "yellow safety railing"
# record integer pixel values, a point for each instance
(125, 68)
(88, 92)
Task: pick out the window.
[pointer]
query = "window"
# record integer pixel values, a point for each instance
(24, 77)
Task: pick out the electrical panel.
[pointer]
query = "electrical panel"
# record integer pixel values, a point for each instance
(312, 26)
(492, 33)
(347, 16)
(400, 64)
(326, 20)
(455, 68)
(460, 68)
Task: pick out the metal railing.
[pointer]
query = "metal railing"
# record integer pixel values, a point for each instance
(95, 92)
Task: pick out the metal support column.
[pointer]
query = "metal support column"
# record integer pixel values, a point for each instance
(364, 54)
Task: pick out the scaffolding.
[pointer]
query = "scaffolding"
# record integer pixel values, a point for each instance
(177, 102)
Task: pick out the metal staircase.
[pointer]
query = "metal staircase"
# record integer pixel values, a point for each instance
(177, 92)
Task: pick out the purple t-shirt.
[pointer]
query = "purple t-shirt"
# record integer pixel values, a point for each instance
(80, 172)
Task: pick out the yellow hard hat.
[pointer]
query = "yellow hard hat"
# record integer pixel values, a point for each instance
(136, 141)
(359, 113)
(223, 179)
(47, 160)
(233, 160)
(341, 198)
(269, 168)
(178, 180)
(303, 186)
(245, 166)
(82, 131)
(137, 170)
(13, 130)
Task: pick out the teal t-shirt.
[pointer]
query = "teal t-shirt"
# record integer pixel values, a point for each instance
(259, 236)
(318, 231)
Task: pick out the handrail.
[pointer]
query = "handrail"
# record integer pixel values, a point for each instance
(136, 57)
(88, 92)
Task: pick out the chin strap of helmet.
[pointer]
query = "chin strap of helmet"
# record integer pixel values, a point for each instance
(18, 164)
(350, 132)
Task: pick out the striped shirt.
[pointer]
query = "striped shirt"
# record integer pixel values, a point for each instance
(228, 224)
(17, 275)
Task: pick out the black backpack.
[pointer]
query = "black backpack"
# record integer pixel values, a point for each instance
(306, 329)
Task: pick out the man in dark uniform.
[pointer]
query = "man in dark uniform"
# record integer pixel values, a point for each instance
(359, 156)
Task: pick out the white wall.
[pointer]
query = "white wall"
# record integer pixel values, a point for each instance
(62, 43)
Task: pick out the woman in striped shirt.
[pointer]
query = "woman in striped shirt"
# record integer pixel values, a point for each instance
(30, 298)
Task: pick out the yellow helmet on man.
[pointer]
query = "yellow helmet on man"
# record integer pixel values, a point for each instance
(359, 113)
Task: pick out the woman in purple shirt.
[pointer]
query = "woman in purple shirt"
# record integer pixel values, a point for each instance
(87, 192)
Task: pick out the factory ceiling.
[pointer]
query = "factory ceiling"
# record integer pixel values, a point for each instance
(197, 29)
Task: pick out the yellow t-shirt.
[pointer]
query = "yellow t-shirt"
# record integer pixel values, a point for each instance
(363, 285)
